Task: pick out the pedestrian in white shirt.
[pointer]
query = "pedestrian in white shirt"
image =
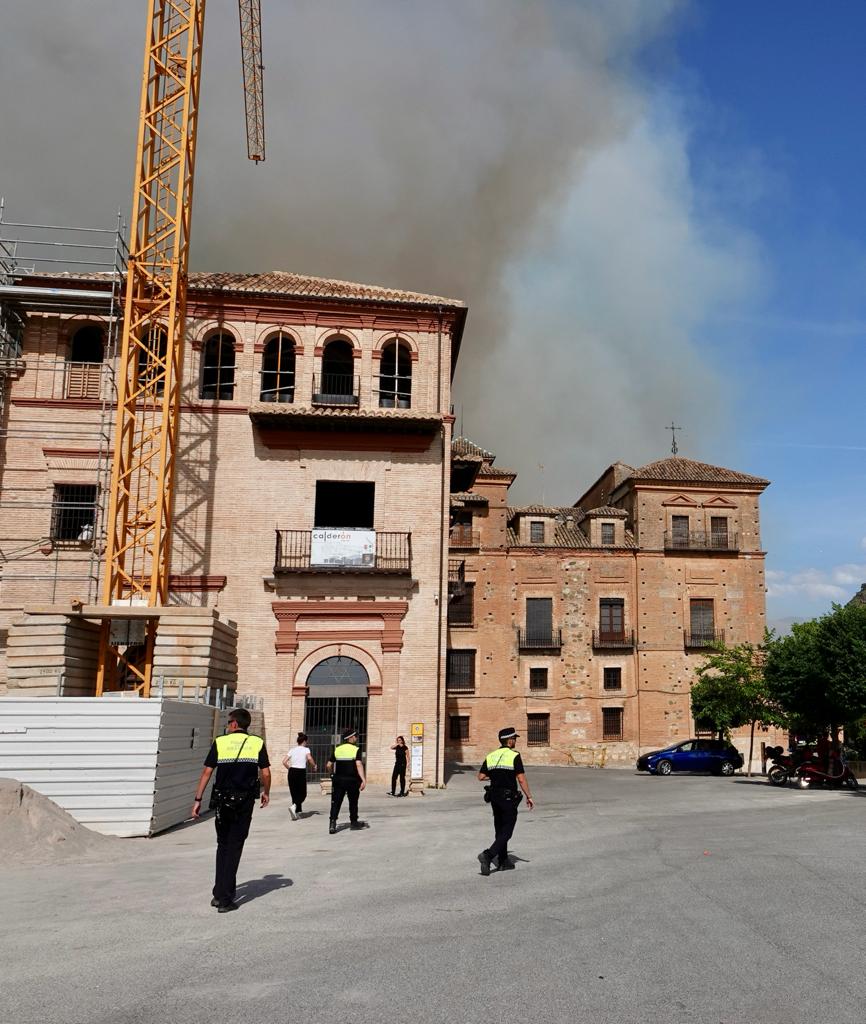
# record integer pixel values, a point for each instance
(296, 761)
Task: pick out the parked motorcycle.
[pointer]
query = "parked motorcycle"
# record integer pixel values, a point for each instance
(810, 774)
(783, 768)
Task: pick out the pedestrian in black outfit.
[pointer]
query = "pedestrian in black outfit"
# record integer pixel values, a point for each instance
(348, 779)
(242, 771)
(296, 762)
(503, 768)
(401, 752)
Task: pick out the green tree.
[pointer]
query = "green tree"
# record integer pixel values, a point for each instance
(731, 691)
(818, 672)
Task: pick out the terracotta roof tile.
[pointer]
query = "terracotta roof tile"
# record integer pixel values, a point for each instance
(463, 446)
(488, 470)
(469, 498)
(280, 282)
(679, 470)
(607, 512)
(545, 510)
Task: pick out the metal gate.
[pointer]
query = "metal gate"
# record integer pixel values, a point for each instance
(337, 701)
(324, 720)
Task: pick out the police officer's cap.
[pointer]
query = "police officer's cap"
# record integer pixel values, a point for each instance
(508, 734)
(347, 734)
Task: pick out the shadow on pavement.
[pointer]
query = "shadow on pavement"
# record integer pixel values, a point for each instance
(456, 768)
(256, 887)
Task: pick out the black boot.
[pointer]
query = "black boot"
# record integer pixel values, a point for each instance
(332, 827)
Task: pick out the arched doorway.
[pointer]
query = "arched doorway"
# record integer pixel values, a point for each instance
(337, 700)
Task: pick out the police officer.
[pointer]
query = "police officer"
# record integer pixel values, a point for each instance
(348, 779)
(242, 767)
(503, 768)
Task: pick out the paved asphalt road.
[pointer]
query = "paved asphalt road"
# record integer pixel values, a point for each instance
(635, 899)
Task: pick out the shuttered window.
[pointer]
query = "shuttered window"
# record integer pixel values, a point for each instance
(539, 617)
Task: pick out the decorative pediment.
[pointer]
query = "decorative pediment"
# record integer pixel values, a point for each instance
(719, 502)
(681, 501)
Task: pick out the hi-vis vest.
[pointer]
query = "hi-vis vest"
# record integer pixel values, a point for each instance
(346, 752)
(504, 757)
(238, 747)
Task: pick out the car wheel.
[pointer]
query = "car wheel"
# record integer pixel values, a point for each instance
(852, 783)
(664, 768)
(726, 768)
(777, 776)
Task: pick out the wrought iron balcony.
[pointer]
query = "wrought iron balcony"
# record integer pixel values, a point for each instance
(704, 638)
(701, 540)
(336, 389)
(463, 537)
(539, 640)
(384, 553)
(456, 577)
(622, 639)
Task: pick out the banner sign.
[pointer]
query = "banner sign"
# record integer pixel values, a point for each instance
(343, 547)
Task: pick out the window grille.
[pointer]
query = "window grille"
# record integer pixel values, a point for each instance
(461, 609)
(719, 532)
(536, 533)
(458, 727)
(460, 672)
(613, 678)
(218, 368)
(73, 512)
(608, 534)
(538, 679)
(702, 618)
(538, 730)
(611, 723)
(395, 377)
(680, 531)
(278, 370)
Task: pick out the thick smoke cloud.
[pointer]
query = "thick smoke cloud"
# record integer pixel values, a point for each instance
(492, 150)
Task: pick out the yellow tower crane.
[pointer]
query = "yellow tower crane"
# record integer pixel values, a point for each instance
(138, 549)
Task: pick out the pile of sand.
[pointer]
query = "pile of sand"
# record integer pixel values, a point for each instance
(33, 829)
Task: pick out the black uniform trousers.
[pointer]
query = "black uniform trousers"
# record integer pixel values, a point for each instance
(398, 773)
(298, 786)
(345, 787)
(232, 829)
(504, 805)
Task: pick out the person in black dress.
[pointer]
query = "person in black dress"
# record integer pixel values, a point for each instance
(401, 753)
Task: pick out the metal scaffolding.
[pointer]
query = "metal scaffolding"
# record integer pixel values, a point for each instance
(36, 261)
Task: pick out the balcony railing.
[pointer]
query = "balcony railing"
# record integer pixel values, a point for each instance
(336, 389)
(456, 577)
(622, 639)
(697, 639)
(701, 540)
(537, 640)
(463, 537)
(391, 553)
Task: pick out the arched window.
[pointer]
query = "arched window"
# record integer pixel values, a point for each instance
(338, 384)
(395, 377)
(88, 345)
(278, 369)
(151, 360)
(218, 367)
(84, 363)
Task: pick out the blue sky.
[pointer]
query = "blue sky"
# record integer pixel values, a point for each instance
(774, 96)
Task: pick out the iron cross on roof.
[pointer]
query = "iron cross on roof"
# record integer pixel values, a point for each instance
(673, 428)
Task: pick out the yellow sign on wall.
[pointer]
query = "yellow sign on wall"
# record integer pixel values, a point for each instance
(417, 728)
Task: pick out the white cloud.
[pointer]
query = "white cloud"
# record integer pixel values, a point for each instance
(836, 584)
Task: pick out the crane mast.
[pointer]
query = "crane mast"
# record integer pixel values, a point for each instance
(138, 549)
(251, 57)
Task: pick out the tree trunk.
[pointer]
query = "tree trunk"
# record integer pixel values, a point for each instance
(751, 750)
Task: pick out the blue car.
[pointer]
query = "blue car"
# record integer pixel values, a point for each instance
(716, 756)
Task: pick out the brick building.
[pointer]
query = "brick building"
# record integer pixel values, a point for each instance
(583, 625)
(311, 494)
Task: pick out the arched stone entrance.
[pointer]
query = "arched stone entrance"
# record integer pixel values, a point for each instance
(336, 700)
